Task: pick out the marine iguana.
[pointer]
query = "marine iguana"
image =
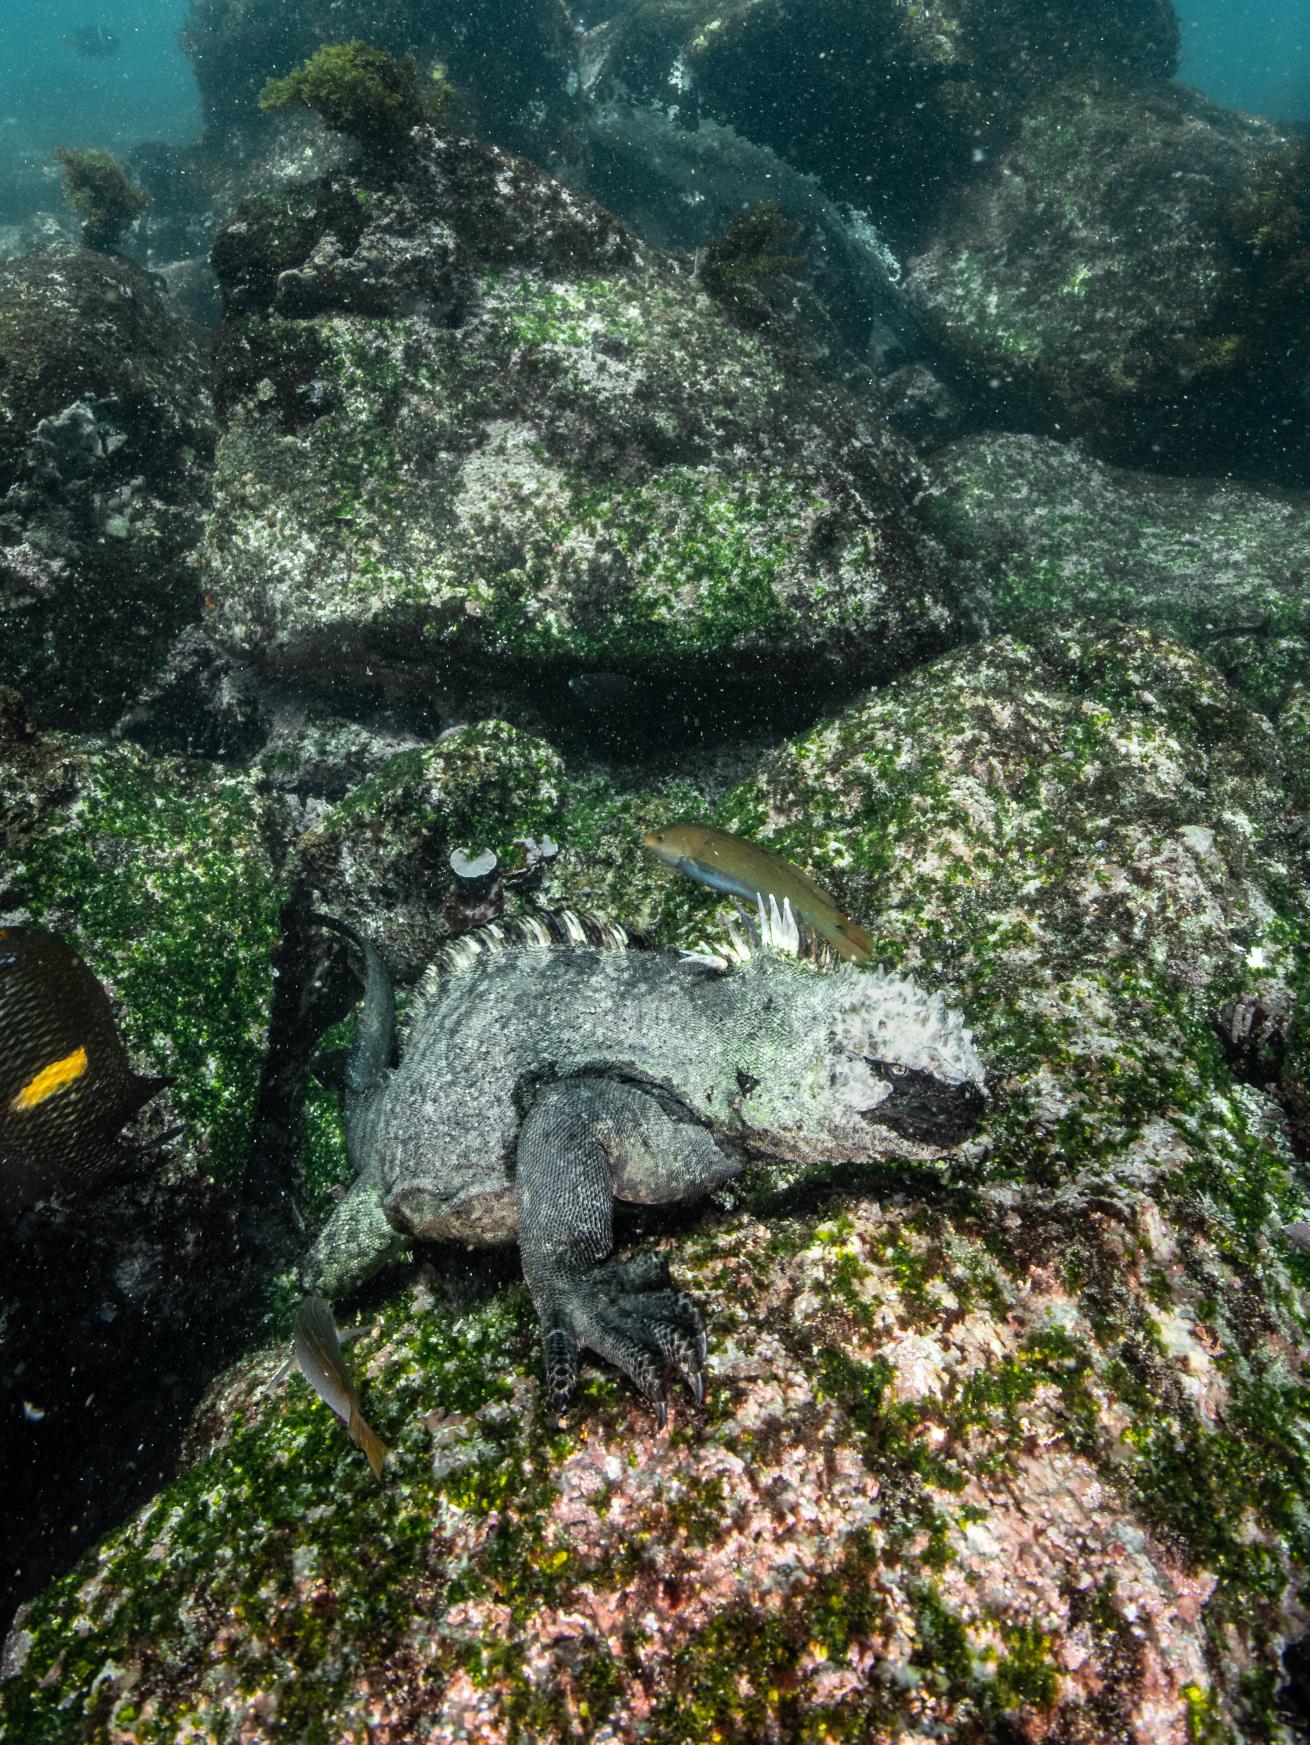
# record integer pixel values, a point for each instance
(550, 1068)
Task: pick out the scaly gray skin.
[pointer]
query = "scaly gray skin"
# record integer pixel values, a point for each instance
(543, 1078)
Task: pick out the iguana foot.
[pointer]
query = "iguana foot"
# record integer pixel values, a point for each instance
(630, 1314)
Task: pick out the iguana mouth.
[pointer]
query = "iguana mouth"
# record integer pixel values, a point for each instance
(925, 1108)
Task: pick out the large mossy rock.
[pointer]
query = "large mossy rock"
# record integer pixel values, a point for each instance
(113, 1301)
(883, 102)
(106, 434)
(1106, 267)
(471, 423)
(1013, 1452)
(1032, 526)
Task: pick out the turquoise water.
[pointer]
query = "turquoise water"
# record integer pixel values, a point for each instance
(51, 96)
(1250, 54)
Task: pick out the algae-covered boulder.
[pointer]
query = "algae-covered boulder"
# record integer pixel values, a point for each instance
(1086, 828)
(470, 422)
(381, 857)
(113, 1303)
(1033, 526)
(1014, 1454)
(1101, 268)
(105, 438)
(883, 102)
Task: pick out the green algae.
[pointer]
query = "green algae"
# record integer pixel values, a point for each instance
(162, 868)
(1035, 530)
(356, 88)
(323, 1165)
(705, 558)
(483, 786)
(269, 1534)
(571, 314)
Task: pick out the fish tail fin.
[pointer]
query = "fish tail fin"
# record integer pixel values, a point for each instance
(143, 1088)
(861, 946)
(363, 1433)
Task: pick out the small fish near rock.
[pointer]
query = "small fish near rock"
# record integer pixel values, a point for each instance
(319, 1358)
(753, 874)
(67, 1088)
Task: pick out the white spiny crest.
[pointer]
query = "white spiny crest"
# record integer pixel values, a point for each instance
(546, 931)
(769, 929)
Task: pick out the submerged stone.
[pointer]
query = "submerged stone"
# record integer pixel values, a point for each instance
(105, 436)
(1034, 526)
(1014, 1450)
(1096, 272)
(882, 102)
(471, 423)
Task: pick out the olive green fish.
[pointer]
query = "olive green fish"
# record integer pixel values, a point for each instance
(67, 1088)
(318, 1353)
(743, 869)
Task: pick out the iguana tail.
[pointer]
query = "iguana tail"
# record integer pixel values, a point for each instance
(368, 1065)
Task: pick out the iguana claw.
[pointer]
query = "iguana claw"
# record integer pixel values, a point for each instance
(628, 1314)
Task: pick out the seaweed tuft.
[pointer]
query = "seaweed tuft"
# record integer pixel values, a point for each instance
(97, 189)
(359, 89)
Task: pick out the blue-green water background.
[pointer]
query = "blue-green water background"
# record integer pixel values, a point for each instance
(50, 96)
(1252, 54)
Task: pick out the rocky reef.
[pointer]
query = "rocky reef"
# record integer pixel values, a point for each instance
(162, 873)
(1016, 1450)
(495, 530)
(1032, 525)
(1104, 268)
(470, 421)
(883, 103)
(106, 436)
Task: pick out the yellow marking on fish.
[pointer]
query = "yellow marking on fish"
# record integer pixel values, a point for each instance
(50, 1079)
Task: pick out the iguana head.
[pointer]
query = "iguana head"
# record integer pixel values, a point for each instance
(841, 1062)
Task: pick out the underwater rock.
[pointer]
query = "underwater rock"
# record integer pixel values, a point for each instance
(1033, 526)
(884, 104)
(1095, 269)
(112, 1306)
(1294, 726)
(1116, 821)
(844, 304)
(106, 435)
(380, 859)
(470, 422)
(1013, 1452)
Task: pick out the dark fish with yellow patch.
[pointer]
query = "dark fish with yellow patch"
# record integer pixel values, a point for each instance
(745, 870)
(319, 1356)
(67, 1088)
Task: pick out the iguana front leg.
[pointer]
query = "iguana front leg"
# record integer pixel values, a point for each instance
(583, 1142)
